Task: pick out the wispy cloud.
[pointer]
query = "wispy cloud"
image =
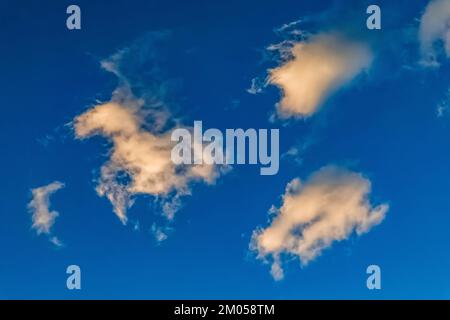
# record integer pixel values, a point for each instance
(443, 106)
(434, 32)
(256, 86)
(139, 129)
(329, 206)
(160, 233)
(42, 218)
(140, 160)
(314, 70)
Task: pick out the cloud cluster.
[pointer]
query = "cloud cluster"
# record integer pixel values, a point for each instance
(327, 207)
(42, 218)
(434, 31)
(315, 69)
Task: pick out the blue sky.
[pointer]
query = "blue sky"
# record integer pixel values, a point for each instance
(384, 123)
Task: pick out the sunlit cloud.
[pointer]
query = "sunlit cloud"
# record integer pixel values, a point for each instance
(139, 159)
(42, 217)
(434, 32)
(329, 206)
(139, 130)
(314, 69)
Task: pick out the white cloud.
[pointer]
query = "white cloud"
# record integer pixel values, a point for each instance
(139, 129)
(137, 154)
(443, 106)
(435, 28)
(42, 218)
(56, 241)
(160, 233)
(256, 86)
(328, 207)
(314, 69)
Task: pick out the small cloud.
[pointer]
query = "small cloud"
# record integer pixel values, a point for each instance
(136, 225)
(314, 69)
(443, 106)
(160, 233)
(434, 32)
(138, 124)
(292, 30)
(42, 218)
(256, 86)
(288, 26)
(56, 241)
(141, 156)
(294, 153)
(441, 110)
(329, 206)
(276, 270)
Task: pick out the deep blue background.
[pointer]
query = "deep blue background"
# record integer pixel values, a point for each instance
(385, 126)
